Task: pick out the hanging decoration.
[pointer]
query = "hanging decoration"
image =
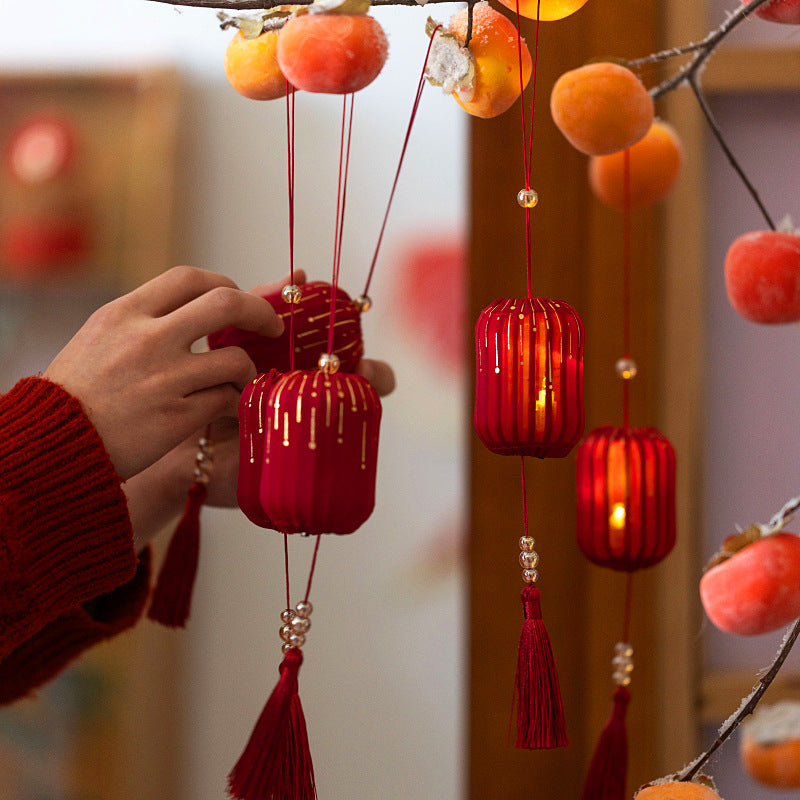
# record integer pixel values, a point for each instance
(625, 521)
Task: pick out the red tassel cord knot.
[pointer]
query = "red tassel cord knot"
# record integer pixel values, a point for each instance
(608, 771)
(540, 713)
(172, 596)
(276, 763)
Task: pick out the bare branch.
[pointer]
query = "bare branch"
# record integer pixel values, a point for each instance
(264, 5)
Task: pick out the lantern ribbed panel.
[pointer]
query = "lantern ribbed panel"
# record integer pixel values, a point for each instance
(311, 323)
(252, 429)
(626, 497)
(320, 452)
(529, 383)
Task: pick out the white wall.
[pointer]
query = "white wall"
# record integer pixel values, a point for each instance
(382, 682)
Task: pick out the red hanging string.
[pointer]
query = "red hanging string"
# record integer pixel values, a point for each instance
(414, 109)
(290, 129)
(344, 163)
(313, 567)
(626, 619)
(286, 568)
(524, 497)
(626, 279)
(527, 136)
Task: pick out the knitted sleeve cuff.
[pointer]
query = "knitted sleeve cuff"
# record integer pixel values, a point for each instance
(44, 655)
(65, 534)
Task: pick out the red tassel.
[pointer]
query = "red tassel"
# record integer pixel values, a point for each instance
(276, 763)
(608, 771)
(540, 714)
(172, 597)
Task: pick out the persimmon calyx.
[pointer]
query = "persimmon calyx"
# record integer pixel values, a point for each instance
(253, 25)
(786, 225)
(450, 64)
(337, 7)
(733, 544)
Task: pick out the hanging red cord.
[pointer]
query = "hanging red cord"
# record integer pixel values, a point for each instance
(414, 109)
(626, 281)
(290, 128)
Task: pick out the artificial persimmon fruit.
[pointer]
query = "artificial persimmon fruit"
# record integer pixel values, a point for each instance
(769, 749)
(677, 790)
(332, 53)
(654, 164)
(601, 108)
(494, 46)
(785, 11)
(762, 276)
(757, 589)
(251, 66)
(545, 10)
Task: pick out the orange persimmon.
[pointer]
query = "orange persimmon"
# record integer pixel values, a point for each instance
(251, 66)
(497, 61)
(677, 790)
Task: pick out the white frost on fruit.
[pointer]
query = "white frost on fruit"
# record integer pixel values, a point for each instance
(450, 63)
(774, 724)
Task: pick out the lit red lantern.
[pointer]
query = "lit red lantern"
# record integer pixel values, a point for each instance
(529, 384)
(309, 451)
(312, 307)
(626, 497)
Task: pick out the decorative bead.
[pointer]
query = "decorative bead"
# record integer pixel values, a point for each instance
(528, 559)
(286, 633)
(527, 198)
(286, 647)
(626, 368)
(527, 543)
(363, 303)
(622, 664)
(329, 363)
(287, 615)
(291, 293)
(530, 575)
(300, 624)
(623, 649)
(621, 679)
(297, 640)
(304, 609)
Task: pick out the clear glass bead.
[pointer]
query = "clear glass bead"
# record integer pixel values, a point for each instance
(626, 368)
(300, 624)
(291, 293)
(623, 649)
(329, 363)
(622, 679)
(530, 575)
(527, 198)
(363, 303)
(622, 664)
(304, 609)
(287, 615)
(286, 633)
(528, 559)
(527, 543)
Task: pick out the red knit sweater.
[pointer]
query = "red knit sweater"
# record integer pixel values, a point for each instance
(69, 576)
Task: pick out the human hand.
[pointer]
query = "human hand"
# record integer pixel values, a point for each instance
(132, 367)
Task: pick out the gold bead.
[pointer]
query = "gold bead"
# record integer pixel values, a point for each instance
(291, 293)
(530, 575)
(527, 543)
(363, 303)
(528, 559)
(626, 368)
(527, 198)
(304, 609)
(329, 363)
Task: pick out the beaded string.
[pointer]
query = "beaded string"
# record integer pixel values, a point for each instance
(527, 197)
(412, 118)
(290, 150)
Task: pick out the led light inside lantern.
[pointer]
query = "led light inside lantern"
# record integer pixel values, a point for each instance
(626, 497)
(311, 319)
(529, 384)
(319, 452)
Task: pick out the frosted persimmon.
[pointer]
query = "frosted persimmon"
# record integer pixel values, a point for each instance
(497, 61)
(762, 276)
(655, 162)
(757, 589)
(769, 749)
(677, 790)
(547, 9)
(251, 66)
(601, 108)
(332, 53)
(785, 11)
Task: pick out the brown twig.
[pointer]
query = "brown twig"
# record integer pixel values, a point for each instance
(264, 5)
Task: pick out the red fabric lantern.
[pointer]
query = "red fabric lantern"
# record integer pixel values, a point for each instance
(626, 497)
(313, 437)
(529, 387)
(311, 323)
